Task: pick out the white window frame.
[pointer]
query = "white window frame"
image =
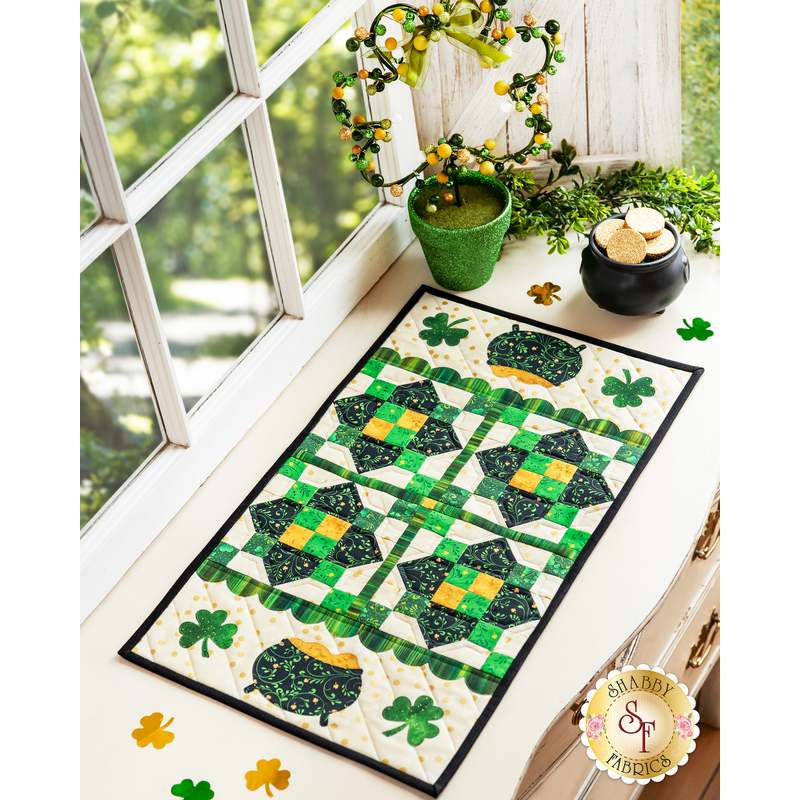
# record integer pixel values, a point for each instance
(196, 443)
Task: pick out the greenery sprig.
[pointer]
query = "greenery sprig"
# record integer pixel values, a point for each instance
(691, 202)
(468, 25)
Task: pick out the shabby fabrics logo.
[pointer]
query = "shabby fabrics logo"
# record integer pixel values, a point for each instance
(639, 724)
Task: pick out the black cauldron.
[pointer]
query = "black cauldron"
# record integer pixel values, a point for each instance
(634, 289)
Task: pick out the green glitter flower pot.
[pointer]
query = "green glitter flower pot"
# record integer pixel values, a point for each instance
(464, 258)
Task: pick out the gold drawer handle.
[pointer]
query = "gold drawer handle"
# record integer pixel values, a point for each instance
(705, 642)
(575, 708)
(708, 542)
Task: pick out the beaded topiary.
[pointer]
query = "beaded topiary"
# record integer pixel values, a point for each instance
(469, 26)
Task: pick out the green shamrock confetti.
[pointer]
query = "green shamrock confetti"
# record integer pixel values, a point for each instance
(699, 329)
(416, 718)
(188, 791)
(208, 626)
(439, 330)
(628, 394)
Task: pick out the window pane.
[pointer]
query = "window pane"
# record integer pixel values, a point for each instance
(205, 253)
(158, 69)
(274, 23)
(325, 196)
(700, 91)
(88, 205)
(119, 429)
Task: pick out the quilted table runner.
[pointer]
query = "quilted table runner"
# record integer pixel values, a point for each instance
(378, 590)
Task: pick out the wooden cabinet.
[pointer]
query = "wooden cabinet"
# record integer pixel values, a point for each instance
(682, 636)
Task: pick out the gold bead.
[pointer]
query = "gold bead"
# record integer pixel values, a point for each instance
(345, 134)
(396, 190)
(463, 155)
(542, 98)
(529, 19)
(361, 34)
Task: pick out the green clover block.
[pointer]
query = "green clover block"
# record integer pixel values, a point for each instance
(399, 436)
(575, 539)
(337, 600)
(485, 635)
(410, 460)
(562, 514)
(439, 329)
(525, 440)
(369, 520)
(462, 576)
(454, 496)
(344, 435)
(208, 626)
(549, 488)
(310, 445)
(389, 412)
(328, 572)
(319, 545)
(223, 553)
(497, 664)
(627, 394)
(293, 468)
(259, 545)
(595, 462)
(491, 488)
(403, 510)
(422, 484)
(380, 389)
(537, 463)
(301, 492)
(629, 454)
(412, 604)
(445, 413)
(479, 404)
(438, 523)
(514, 416)
(373, 368)
(450, 549)
(474, 605)
(417, 719)
(374, 614)
(522, 576)
(309, 518)
(558, 566)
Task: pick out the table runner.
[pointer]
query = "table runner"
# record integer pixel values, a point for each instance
(380, 587)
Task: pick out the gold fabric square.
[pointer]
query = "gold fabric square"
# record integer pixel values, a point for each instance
(428, 503)
(448, 596)
(486, 586)
(333, 528)
(377, 428)
(527, 481)
(561, 471)
(412, 420)
(296, 536)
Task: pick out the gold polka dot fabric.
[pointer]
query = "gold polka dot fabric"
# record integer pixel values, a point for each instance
(382, 584)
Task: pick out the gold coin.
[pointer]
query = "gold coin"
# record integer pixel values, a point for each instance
(660, 246)
(647, 221)
(627, 247)
(605, 230)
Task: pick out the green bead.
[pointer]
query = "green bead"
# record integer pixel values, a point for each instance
(341, 117)
(369, 133)
(518, 79)
(419, 183)
(525, 36)
(535, 150)
(408, 26)
(357, 136)
(500, 2)
(349, 80)
(520, 106)
(463, 169)
(410, 16)
(380, 86)
(536, 33)
(559, 56)
(338, 105)
(434, 36)
(499, 167)
(429, 148)
(503, 40)
(520, 158)
(352, 44)
(457, 139)
(376, 148)
(370, 41)
(376, 180)
(547, 145)
(430, 208)
(451, 170)
(502, 14)
(551, 70)
(353, 157)
(386, 124)
(552, 26)
(376, 74)
(387, 138)
(442, 140)
(485, 152)
(362, 164)
(380, 29)
(338, 76)
(529, 122)
(444, 18)
(545, 126)
(371, 90)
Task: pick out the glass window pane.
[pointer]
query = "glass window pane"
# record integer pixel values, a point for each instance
(700, 85)
(158, 69)
(275, 22)
(208, 263)
(119, 429)
(325, 196)
(88, 204)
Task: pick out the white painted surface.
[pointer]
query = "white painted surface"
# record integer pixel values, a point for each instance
(621, 583)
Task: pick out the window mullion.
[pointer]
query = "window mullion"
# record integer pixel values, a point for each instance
(150, 337)
(97, 155)
(274, 214)
(237, 31)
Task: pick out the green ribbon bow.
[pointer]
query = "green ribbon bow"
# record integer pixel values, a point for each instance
(463, 30)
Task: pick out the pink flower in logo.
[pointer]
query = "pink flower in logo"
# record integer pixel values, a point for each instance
(684, 726)
(595, 726)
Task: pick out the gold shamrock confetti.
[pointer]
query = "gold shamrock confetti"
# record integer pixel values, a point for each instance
(268, 773)
(544, 295)
(153, 732)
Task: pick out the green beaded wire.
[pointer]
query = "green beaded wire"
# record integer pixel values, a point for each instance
(522, 91)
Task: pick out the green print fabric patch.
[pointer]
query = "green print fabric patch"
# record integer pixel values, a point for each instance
(404, 555)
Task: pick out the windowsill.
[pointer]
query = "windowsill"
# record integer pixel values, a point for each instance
(582, 638)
